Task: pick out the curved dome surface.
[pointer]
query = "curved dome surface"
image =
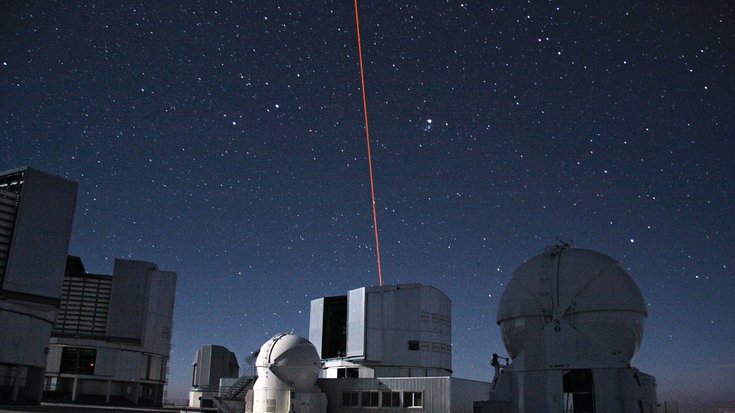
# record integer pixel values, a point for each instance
(291, 358)
(572, 301)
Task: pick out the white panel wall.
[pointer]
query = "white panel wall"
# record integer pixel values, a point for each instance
(397, 315)
(316, 324)
(356, 323)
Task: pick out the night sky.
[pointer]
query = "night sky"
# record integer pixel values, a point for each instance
(225, 141)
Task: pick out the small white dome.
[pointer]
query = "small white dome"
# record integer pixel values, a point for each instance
(291, 358)
(572, 306)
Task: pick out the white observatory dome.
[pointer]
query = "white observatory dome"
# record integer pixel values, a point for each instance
(571, 307)
(292, 359)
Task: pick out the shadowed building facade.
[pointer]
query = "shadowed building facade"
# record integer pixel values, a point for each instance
(213, 367)
(112, 338)
(36, 215)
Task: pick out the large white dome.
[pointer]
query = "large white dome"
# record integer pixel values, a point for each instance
(292, 359)
(571, 307)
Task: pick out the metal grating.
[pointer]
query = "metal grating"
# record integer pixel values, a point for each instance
(10, 187)
(84, 307)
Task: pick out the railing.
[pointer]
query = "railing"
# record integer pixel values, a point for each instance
(230, 399)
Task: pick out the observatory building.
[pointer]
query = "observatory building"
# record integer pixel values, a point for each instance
(389, 347)
(390, 331)
(572, 321)
(213, 365)
(36, 215)
(112, 336)
(375, 348)
(288, 368)
(68, 334)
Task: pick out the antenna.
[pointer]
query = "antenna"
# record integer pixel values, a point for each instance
(367, 138)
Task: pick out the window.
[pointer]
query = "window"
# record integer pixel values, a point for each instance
(270, 405)
(391, 399)
(348, 373)
(414, 345)
(370, 399)
(350, 399)
(50, 383)
(77, 360)
(152, 367)
(412, 399)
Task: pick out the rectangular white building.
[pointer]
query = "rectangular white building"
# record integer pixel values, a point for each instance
(389, 348)
(391, 331)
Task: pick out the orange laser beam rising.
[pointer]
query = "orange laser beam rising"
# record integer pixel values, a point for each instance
(367, 138)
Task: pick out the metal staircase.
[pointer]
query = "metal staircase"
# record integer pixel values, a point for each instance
(231, 399)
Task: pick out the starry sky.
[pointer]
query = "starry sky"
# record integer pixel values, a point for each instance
(225, 141)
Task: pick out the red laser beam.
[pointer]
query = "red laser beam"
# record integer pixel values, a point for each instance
(367, 138)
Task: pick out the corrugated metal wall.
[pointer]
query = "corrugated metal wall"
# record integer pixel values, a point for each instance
(440, 394)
